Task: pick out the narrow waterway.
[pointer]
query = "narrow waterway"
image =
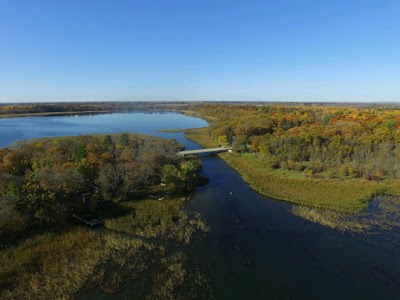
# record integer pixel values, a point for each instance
(256, 248)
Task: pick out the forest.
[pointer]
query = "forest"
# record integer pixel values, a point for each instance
(331, 141)
(45, 181)
(334, 157)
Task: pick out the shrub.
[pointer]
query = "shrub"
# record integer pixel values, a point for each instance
(297, 166)
(316, 166)
(308, 173)
(332, 173)
(284, 165)
(372, 178)
(272, 162)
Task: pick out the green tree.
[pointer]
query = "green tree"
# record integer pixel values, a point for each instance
(107, 141)
(124, 139)
(170, 175)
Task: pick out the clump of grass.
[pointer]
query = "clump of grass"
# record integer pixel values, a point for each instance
(175, 280)
(385, 217)
(158, 218)
(172, 130)
(331, 219)
(127, 260)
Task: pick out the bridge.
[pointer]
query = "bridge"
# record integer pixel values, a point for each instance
(203, 151)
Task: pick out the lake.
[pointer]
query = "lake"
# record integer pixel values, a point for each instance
(256, 248)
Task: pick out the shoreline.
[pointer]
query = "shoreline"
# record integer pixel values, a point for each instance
(60, 113)
(340, 195)
(64, 113)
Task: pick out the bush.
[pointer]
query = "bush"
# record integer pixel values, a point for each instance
(308, 172)
(372, 178)
(273, 162)
(284, 165)
(332, 173)
(297, 166)
(316, 167)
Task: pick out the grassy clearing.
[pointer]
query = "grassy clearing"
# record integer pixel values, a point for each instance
(343, 195)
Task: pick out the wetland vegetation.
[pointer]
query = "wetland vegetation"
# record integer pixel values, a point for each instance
(136, 184)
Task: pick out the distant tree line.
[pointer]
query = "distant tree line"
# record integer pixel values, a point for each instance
(28, 108)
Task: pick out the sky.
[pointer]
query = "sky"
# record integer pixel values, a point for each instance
(169, 50)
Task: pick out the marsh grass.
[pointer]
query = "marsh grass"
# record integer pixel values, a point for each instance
(158, 219)
(175, 280)
(49, 266)
(172, 130)
(61, 265)
(385, 216)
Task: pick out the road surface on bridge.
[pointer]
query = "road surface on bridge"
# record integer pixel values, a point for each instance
(202, 151)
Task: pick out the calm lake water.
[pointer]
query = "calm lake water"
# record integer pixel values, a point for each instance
(256, 248)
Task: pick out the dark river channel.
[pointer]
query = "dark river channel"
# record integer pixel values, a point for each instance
(256, 248)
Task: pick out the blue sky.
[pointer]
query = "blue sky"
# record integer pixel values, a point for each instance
(282, 50)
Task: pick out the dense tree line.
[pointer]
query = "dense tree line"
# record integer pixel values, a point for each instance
(29, 108)
(43, 181)
(333, 141)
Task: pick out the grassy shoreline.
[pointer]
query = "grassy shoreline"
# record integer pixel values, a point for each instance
(342, 195)
(172, 130)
